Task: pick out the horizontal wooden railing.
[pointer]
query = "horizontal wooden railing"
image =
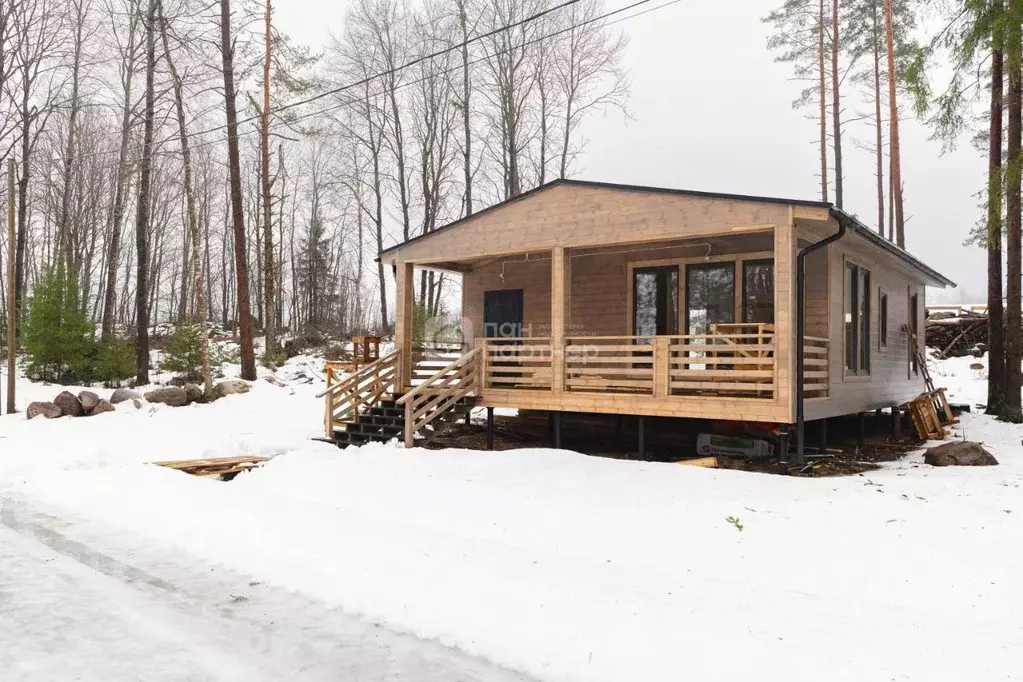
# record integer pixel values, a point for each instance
(517, 363)
(345, 399)
(610, 363)
(815, 366)
(723, 363)
(439, 392)
(740, 364)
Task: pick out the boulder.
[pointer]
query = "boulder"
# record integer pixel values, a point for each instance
(89, 400)
(193, 393)
(230, 387)
(43, 409)
(137, 404)
(168, 395)
(121, 394)
(69, 404)
(959, 453)
(102, 406)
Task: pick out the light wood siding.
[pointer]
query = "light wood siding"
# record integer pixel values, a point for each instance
(533, 277)
(577, 216)
(817, 299)
(601, 289)
(889, 382)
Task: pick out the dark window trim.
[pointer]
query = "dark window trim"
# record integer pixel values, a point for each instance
(705, 266)
(745, 290)
(638, 270)
(882, 319)
(860, 353)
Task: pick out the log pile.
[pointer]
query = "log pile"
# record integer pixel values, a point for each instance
(959, 336)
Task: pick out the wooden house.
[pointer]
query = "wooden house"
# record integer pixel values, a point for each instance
(599, 298)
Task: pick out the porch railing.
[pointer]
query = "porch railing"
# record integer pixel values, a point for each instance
(522, 363)
(723, 363)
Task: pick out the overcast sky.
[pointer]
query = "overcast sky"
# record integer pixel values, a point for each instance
(711, 110)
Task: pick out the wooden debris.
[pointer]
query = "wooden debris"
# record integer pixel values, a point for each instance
(931, 413)
(706, 462)
(225, 467)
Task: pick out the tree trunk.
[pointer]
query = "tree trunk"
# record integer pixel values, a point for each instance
(269, 278)
(824, 107)
(995, 321)
(142, 216)
(893, 123)
(193, 222)
(248, 356)
(1014, 268)
(878, 121)
(836, 106)
(466, 128)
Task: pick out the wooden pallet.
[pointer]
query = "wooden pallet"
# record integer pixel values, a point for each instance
(931, 413)
(214, 466)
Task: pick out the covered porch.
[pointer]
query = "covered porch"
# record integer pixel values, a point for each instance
(695, 327)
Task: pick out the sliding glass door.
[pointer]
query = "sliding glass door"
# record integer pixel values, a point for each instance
(655, 301)
(710, 296)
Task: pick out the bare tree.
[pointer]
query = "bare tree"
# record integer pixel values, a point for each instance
(248, 357)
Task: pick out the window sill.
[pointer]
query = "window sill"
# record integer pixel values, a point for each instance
(855, 378)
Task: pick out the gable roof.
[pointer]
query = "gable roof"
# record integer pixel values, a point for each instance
(851, 223)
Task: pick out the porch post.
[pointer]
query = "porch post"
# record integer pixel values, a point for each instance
(561, 277)
(403, 326)
(785, 317)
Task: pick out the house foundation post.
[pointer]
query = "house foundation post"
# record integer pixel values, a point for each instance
(490, 428)
(824, 437)
(861, 431)
(557, 430)
(783, 449)
(641, 436)
(897, 422)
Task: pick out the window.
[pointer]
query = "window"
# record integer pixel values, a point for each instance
(758, 291)
(655, 301)
(882, 319)
(857, 319)
(914, 324)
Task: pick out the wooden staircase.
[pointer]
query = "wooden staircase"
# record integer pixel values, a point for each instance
(365, 407)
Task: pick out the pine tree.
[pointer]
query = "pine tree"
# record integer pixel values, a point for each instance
(57, 335)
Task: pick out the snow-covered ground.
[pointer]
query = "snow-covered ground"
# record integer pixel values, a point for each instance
(549, 563)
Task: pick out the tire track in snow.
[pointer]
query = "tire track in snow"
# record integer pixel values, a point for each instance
(137, 612)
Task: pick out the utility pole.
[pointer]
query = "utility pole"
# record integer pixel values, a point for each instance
(11, 342)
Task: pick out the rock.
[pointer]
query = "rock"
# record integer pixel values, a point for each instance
(959, 453)
(43, 409)
(102, 406)
(230, 387)
(89, 400)
(121, 394)
(193, 393)
(168, 395)
(137, 404)
(69, 404)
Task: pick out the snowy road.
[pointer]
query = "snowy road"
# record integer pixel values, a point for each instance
(78, 605)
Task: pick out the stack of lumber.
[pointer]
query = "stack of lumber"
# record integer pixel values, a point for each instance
(224, 467)
(956, 336)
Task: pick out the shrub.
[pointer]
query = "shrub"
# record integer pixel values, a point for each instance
(184, 352)
(58, 337)
(116, 360)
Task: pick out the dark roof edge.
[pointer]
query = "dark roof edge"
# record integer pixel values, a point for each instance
(903, 255)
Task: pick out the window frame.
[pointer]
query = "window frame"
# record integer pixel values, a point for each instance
(882, 319)
(861, 313)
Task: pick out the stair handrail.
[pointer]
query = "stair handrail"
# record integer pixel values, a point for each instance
(418, 415)
(362, 373)
(364, 386)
